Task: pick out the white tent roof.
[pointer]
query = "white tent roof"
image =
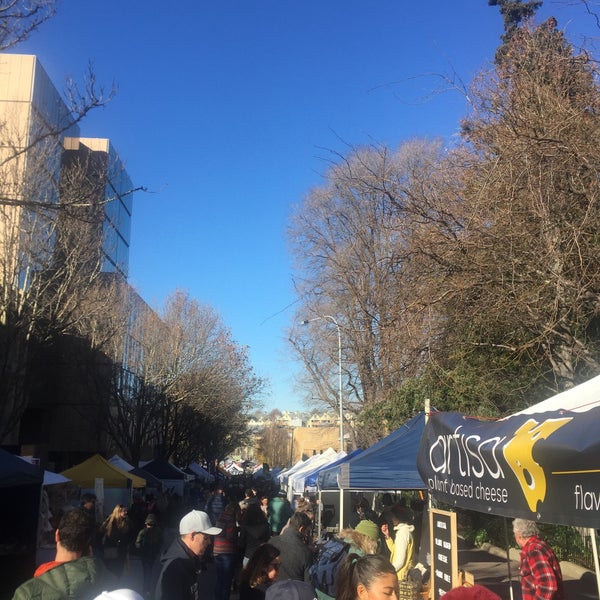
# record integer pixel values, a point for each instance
(51, 478)
(297, 479)
(287, 472)
(578, 399)
(121, 463)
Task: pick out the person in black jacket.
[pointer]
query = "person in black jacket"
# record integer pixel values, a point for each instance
(254, 531)
(296, 556)
(181, 564)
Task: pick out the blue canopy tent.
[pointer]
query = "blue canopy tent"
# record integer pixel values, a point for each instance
(20, 492)
(390, 464)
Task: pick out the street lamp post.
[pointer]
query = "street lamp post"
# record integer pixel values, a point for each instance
(341, 407)
(340, 398)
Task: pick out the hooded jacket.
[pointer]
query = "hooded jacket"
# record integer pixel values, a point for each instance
(252, 536)
(402, 554)
(179, 573)
(296, 556)
(80, 579)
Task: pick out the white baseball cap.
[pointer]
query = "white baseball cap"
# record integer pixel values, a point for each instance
(197, 521)
(122, 594)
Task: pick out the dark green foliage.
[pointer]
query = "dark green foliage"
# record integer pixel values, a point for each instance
(515, 12)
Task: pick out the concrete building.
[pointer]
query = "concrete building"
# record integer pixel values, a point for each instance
(40, 147)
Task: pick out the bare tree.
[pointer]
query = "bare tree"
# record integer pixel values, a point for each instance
(275, 445)
(197, 381)
(20, 18)
(352, 241)
(528, 255)
(471, 273)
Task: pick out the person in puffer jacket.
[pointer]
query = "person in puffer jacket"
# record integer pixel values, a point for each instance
(74, 573)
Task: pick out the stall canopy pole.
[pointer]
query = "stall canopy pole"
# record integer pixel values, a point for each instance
(592, 533)
(508, 558)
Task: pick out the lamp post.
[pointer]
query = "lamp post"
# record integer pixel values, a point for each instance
(340, 399)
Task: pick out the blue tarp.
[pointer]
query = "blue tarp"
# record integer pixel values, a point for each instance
(390, 464)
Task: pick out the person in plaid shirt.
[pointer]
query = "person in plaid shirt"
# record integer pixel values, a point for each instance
(541, 577)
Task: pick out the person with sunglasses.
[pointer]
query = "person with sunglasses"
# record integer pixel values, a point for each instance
(259, 573)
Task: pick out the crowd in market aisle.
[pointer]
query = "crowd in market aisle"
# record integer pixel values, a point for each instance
(227, 542)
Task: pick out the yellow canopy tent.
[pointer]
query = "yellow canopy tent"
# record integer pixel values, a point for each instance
(85, 473)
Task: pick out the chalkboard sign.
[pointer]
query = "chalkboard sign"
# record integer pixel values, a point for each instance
(444, 552)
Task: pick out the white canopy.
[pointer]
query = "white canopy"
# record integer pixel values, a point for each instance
(121, 463)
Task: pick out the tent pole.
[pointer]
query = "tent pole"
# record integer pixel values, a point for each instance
(427, 407)
(319, 514)
(592, 533)
(510, 584)
(341, 509)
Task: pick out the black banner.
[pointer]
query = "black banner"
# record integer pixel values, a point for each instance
(544, 467)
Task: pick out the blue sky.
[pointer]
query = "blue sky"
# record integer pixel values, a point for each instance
(227, 112)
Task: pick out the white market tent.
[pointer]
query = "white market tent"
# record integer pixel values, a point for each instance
(51, 478)
(301, 466)
(121, 463)
(297, 480)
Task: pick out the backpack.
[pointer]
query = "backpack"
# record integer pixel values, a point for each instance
(330, 556)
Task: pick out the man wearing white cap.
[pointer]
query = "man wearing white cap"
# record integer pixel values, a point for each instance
(181, 565)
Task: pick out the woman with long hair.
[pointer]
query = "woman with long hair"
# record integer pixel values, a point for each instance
(259, 573)
(116, 537)
(370, 577)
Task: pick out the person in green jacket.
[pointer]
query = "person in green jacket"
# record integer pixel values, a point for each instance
(279, 511)
(74, 574)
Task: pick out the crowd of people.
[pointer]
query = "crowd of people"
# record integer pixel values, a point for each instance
(260, 548)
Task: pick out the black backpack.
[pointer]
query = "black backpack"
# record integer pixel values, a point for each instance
(330, 556)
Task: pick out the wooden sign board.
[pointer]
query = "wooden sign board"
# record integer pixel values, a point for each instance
(444, 552)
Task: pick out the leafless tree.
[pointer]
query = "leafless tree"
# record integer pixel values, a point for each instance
(196, 379)
(274, 445)
(352, 241)
(474, 269)
(528, 254)
(20, 18)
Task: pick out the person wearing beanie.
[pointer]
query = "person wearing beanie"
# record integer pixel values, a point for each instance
(360, 541)
(181, 565)
(149, 542)
(368, 528)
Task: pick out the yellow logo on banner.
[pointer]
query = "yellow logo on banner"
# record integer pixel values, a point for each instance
(519, 456)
